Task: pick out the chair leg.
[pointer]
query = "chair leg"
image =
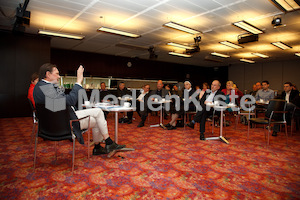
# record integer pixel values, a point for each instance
(269, 130)
(286, 133)
(248, 130)
(35, 148)
(89, 131)
(236, 121)
(292, 126)
(32, 134)
(73, 156)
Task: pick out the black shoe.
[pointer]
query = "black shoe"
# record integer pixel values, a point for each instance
(141, 124)
(191, 125)
(99, 151)
(274, 133)
(167, 125)
(171, 127)
(129, 122)
(122, 120)
(113, 146)
(202, 137)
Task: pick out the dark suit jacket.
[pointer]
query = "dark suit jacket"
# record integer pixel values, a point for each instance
(103, 93)
(206, 94)
(123, 92)
(293, 95)
(71, 100)
(164, 92)
(145, 99)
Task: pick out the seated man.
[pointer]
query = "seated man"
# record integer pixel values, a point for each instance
(203, 113)
(265, 93)
(160, 91)
(289, 95)
(103, 93)
(254, 90)
(46, 87)
(121, 91)
(142, 101)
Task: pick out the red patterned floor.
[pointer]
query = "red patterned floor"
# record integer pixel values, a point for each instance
(166, 165)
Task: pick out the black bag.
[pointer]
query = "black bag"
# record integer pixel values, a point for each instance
(180, 123)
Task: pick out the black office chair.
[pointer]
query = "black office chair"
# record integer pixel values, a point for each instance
(35, 121)
(295, 119)
(56, 126)
(275, 114)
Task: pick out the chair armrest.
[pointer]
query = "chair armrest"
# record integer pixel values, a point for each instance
(280, 111)
(77, 120)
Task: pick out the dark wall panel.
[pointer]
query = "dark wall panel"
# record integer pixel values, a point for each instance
(20, 56)
(107, 65)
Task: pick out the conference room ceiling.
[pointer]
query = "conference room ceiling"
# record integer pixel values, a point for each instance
(213, 18)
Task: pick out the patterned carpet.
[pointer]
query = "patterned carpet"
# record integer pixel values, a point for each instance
(166, 165)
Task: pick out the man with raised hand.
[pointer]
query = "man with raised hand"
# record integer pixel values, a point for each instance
(47, 89)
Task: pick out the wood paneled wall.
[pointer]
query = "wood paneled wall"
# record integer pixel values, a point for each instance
(277, 73)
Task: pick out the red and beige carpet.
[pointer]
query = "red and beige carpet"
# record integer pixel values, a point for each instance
(165, 165)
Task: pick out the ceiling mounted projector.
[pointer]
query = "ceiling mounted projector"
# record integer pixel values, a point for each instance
(248, 37)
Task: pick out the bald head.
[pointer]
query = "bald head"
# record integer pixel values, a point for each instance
(160, 85)
(215, 85)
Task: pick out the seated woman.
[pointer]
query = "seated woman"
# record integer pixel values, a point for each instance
(34, 80)
(231, 89)
(176, 113)
(205, 86)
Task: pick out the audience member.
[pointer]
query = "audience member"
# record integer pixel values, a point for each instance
(205, 86)
(34, 81)
(104, 92)
(289, 95)
(254, 90)
(143, 97)
(176, 113)
(265, 93)
(258, 86)
(49, 76)
(121, 91)
(203, 113)
(239, 93)
(160, 91)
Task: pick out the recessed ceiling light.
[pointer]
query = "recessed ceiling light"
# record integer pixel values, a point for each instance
(180, 45)
(230, 44)
(287, 5)
(297, 54)
(118, 32)
(220, 55)
(60, 34)
(260, 55)
(281, 45)
(181, 28)
(246, 60)
(248, 27)
(180, 54)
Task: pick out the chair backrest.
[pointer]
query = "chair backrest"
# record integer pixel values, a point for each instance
(276, 105)
(53, 125)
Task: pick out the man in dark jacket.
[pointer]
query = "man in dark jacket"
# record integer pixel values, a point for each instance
(47, 91)
(203, 113)
(289, 95)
